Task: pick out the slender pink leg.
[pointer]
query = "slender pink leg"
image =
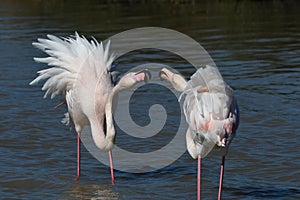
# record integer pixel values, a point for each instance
(78, 157)
(60, 105)
(111, 168)
(221, 178)
(199, 177)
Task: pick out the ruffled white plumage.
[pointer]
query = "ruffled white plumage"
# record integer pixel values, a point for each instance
(66, 57)
(208, 98)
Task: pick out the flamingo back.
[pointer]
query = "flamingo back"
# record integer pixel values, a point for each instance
(208, 108)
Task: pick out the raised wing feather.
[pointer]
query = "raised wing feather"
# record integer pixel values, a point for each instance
(66, 57)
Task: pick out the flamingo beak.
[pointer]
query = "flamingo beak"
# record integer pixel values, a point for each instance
(147, 75)
(164, 74)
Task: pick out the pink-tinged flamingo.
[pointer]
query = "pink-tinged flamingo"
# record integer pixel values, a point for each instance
(81, 71)
(211, 112)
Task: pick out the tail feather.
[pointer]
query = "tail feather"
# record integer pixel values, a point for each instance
(66, 57)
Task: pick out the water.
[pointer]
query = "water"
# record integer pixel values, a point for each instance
(255, 44)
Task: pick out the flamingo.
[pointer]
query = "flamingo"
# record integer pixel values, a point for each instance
(82, 72)
(211, 112)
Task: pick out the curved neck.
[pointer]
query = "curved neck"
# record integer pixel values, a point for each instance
(103, 141)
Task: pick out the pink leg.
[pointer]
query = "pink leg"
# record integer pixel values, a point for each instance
(199, 177)
(111, 168)
(60, 105)
(221, 178)
(78, 157)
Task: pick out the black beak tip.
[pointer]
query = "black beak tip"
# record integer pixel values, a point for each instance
(161, 74)
(147, 75)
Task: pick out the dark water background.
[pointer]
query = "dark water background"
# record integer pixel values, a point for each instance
(256, 46)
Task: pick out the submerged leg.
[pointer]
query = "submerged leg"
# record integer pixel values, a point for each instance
(199, 177)
(111, 168)
(78, 157)
(221, 178)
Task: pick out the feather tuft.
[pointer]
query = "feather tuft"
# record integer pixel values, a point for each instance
(66, 57)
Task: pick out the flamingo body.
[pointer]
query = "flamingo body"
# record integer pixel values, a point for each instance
(211, 112)
(81, 71)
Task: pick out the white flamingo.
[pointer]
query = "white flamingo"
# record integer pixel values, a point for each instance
(81, 71)
(211, 112)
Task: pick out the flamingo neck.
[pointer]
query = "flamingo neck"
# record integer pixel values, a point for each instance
(110, 129)
(103, 131)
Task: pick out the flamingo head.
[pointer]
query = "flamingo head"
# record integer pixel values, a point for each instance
(131, 78)
(178, 82)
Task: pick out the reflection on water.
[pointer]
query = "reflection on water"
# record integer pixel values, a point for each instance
(94, 192)
(256, 46)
